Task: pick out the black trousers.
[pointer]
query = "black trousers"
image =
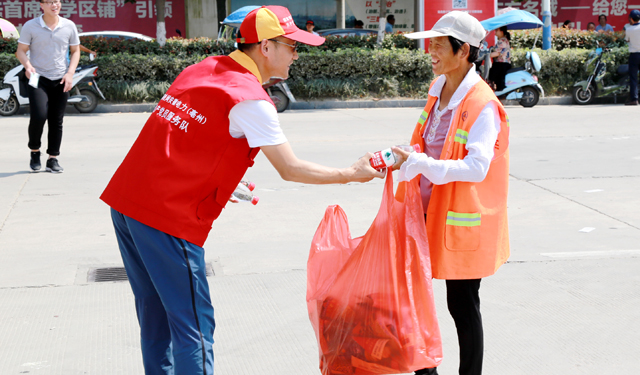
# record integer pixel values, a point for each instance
(634, 62)
(463, 301)
(497, 73)
(47, 102)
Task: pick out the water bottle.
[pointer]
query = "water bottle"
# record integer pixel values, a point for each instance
(243, 193)
(386, 158)
(248, 184)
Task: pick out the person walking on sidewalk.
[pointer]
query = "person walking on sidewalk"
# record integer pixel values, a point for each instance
(464, 174)
(48, 38)
(632, 35)
(180, 173)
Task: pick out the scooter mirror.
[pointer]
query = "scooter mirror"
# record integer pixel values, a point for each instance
(272, 81)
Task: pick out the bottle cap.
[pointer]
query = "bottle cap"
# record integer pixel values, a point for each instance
(254, 200)
(417, 147)
(251, 186)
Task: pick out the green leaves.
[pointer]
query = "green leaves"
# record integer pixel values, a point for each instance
(365, 63)
(344, 68)
(564, 39)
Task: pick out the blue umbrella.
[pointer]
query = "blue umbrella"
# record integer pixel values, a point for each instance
(236, 18)
(514, 20)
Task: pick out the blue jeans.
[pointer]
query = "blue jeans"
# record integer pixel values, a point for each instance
(169, 281)
(634, 62)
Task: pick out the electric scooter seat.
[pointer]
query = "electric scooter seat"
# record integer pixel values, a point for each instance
(623, 69)
(513, 70)
(82, 67)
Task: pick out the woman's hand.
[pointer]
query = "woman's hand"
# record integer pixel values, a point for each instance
(402, 157)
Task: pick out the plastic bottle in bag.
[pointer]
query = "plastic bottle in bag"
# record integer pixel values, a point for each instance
(386, 158)
(243, 193)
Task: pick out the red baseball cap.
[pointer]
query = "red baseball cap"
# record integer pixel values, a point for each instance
(271, 21)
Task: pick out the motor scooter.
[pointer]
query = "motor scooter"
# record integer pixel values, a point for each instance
(83, 95)
(520, 83)
(584, 92)
(279, 93)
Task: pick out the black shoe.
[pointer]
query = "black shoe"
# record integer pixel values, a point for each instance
(53, 166)
(35, 161)
(632, 102)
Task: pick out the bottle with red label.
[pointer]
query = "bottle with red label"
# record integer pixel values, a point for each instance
(244, 193)
(386, 158)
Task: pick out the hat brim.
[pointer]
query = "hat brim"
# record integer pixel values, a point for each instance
(305, 37)
(425, 34)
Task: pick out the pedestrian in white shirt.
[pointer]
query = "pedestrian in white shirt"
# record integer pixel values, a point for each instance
(632, 35)
(48, 38)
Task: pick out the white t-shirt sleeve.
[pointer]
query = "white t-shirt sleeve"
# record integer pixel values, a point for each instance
(25, 34)
(256, 120)
(74, 39)
(474, 167)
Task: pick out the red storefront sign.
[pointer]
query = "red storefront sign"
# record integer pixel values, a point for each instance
(435, 9)
(580, 12)
(102, 15)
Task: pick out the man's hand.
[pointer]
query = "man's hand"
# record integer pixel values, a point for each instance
(362, 170)
(402, 157)
(28, 71)
(67, 80)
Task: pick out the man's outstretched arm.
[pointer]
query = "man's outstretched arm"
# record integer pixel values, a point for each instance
(293, 169)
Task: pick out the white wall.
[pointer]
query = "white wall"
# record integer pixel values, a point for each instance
(201, 18)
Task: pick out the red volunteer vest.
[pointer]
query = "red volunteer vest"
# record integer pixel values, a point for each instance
(182, 169)
(467, 221)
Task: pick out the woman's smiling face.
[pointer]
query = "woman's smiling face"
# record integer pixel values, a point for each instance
(442, 58)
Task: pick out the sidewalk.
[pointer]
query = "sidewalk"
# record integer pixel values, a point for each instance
(568, 301)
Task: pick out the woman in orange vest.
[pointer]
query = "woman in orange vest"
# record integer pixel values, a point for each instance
(463, 171)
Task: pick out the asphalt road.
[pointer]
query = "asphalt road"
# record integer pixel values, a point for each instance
(567, 302)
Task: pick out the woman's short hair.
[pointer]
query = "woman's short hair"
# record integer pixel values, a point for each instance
(456, 44)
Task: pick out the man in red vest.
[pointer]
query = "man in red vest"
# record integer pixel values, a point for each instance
(181, 172)
(464, 176)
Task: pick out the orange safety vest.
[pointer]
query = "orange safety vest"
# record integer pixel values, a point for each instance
(467, 221)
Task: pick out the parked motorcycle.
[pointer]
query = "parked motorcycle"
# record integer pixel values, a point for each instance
(521, 83)
(83, 95)
(584, 92)
(279, 93)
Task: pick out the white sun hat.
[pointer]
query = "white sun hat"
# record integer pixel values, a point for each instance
(460, 25)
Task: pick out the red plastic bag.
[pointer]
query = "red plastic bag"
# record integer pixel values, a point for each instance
(370, 299)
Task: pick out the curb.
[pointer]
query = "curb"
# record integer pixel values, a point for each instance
(326, 104)
(120, 108)
(333, 104)
(406, 103)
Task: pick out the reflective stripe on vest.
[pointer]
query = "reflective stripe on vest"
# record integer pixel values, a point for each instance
(463, 220)
(461, 136)
(423, 117)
